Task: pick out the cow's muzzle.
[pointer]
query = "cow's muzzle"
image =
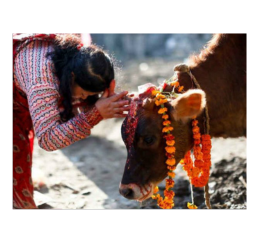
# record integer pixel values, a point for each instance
(136, 192)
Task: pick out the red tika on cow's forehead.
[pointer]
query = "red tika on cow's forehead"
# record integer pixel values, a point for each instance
(132, 121)
(132, 118)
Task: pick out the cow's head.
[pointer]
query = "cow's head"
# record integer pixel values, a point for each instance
(142, 134)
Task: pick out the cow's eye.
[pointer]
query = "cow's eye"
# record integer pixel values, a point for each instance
(149, 140)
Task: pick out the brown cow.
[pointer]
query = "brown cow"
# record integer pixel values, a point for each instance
(220, 69)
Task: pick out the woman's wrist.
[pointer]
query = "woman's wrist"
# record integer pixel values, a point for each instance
(93, 116)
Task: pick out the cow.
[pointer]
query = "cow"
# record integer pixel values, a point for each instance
(220, 70)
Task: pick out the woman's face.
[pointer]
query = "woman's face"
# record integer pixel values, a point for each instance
(79, 93)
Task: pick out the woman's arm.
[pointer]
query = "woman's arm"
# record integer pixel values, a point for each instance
(51, 133)
(35, 76)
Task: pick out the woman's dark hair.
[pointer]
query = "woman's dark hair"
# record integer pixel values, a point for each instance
(93, 70)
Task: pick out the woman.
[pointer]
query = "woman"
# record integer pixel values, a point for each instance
(61, 90)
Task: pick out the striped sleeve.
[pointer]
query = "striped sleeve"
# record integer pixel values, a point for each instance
(35, 77)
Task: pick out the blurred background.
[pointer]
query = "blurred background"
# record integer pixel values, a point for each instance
(127, 47)
(143, 58)
(86, 175)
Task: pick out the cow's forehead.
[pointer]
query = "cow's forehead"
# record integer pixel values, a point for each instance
(137, 102)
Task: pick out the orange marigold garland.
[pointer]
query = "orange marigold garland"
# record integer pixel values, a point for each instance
(198, 170)
(168, 201)
(160, 100)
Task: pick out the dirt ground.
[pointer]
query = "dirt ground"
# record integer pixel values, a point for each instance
(86, 175)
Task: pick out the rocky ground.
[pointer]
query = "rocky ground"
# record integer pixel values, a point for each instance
(86, 175)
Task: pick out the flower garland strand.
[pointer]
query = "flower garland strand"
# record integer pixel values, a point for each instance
(197, 171)
(160, 100)
(202, 154)
(168, 201)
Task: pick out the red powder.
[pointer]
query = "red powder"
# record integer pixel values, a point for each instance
(132, 118)
(132, 121)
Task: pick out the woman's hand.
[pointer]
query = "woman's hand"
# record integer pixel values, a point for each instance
(111, 105)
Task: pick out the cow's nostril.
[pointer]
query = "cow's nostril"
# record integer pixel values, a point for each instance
(127, 193)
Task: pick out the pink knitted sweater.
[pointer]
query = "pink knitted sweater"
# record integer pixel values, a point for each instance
(33, 75)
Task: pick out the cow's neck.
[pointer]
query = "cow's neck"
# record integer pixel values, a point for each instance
(221, 72)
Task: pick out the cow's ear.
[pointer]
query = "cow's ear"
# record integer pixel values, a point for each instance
(188, 105)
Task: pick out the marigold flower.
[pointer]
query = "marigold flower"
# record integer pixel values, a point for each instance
(194, 122)
(170, 142)
(207, 146)
(162, 110)
(157, 102)
(207, 155)
(206, 137)
(195, 172)
(170, 149)
(197, 141)
(161, 101)
(169, 183)
(197, 136)
(171, 174)
(197, 149)
(160, 96)
(195, 130)
(171, 161)
(154, 196)
(199, 181)
(168, 200)
(191, 206)
(199, 163)
(159, 198)
(154, 92)
(175, 84)
(169, 194)
(207, 164)
(166, 205)
(206, 172)
(206, 151)
(168, 128)
(180, 89)
(165, 117)
(165, 123)
(156, 189)
(198, 155)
